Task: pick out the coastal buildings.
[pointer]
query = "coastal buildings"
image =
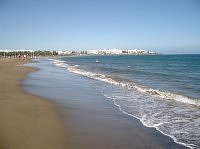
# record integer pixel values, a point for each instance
(73, 52)
(108, 52)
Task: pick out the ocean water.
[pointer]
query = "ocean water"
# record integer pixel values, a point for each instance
(162, 91)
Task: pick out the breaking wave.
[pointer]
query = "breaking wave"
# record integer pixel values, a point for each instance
(174, 115)
(128, 84)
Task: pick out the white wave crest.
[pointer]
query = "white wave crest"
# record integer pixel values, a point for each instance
(128, 85)
(154, 119)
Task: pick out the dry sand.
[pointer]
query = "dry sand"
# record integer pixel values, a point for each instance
(26, 121)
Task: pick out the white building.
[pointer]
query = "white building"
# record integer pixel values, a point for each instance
(64, 52)
(95, 52)
(115, 51)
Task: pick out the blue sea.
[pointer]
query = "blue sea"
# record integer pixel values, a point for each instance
(162, 91)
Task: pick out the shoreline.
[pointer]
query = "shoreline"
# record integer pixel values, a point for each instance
(94, 121)
(27, 121)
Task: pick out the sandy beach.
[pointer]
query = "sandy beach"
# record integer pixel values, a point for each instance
(26, 121)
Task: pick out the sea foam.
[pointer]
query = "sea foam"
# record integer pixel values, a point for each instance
(129, 85)
(168, 112)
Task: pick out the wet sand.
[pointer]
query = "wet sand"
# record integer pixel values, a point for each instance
(26, 121)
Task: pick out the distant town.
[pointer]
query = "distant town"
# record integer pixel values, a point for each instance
(38, 53)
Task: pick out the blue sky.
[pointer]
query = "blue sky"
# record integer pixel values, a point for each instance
(165, 26)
